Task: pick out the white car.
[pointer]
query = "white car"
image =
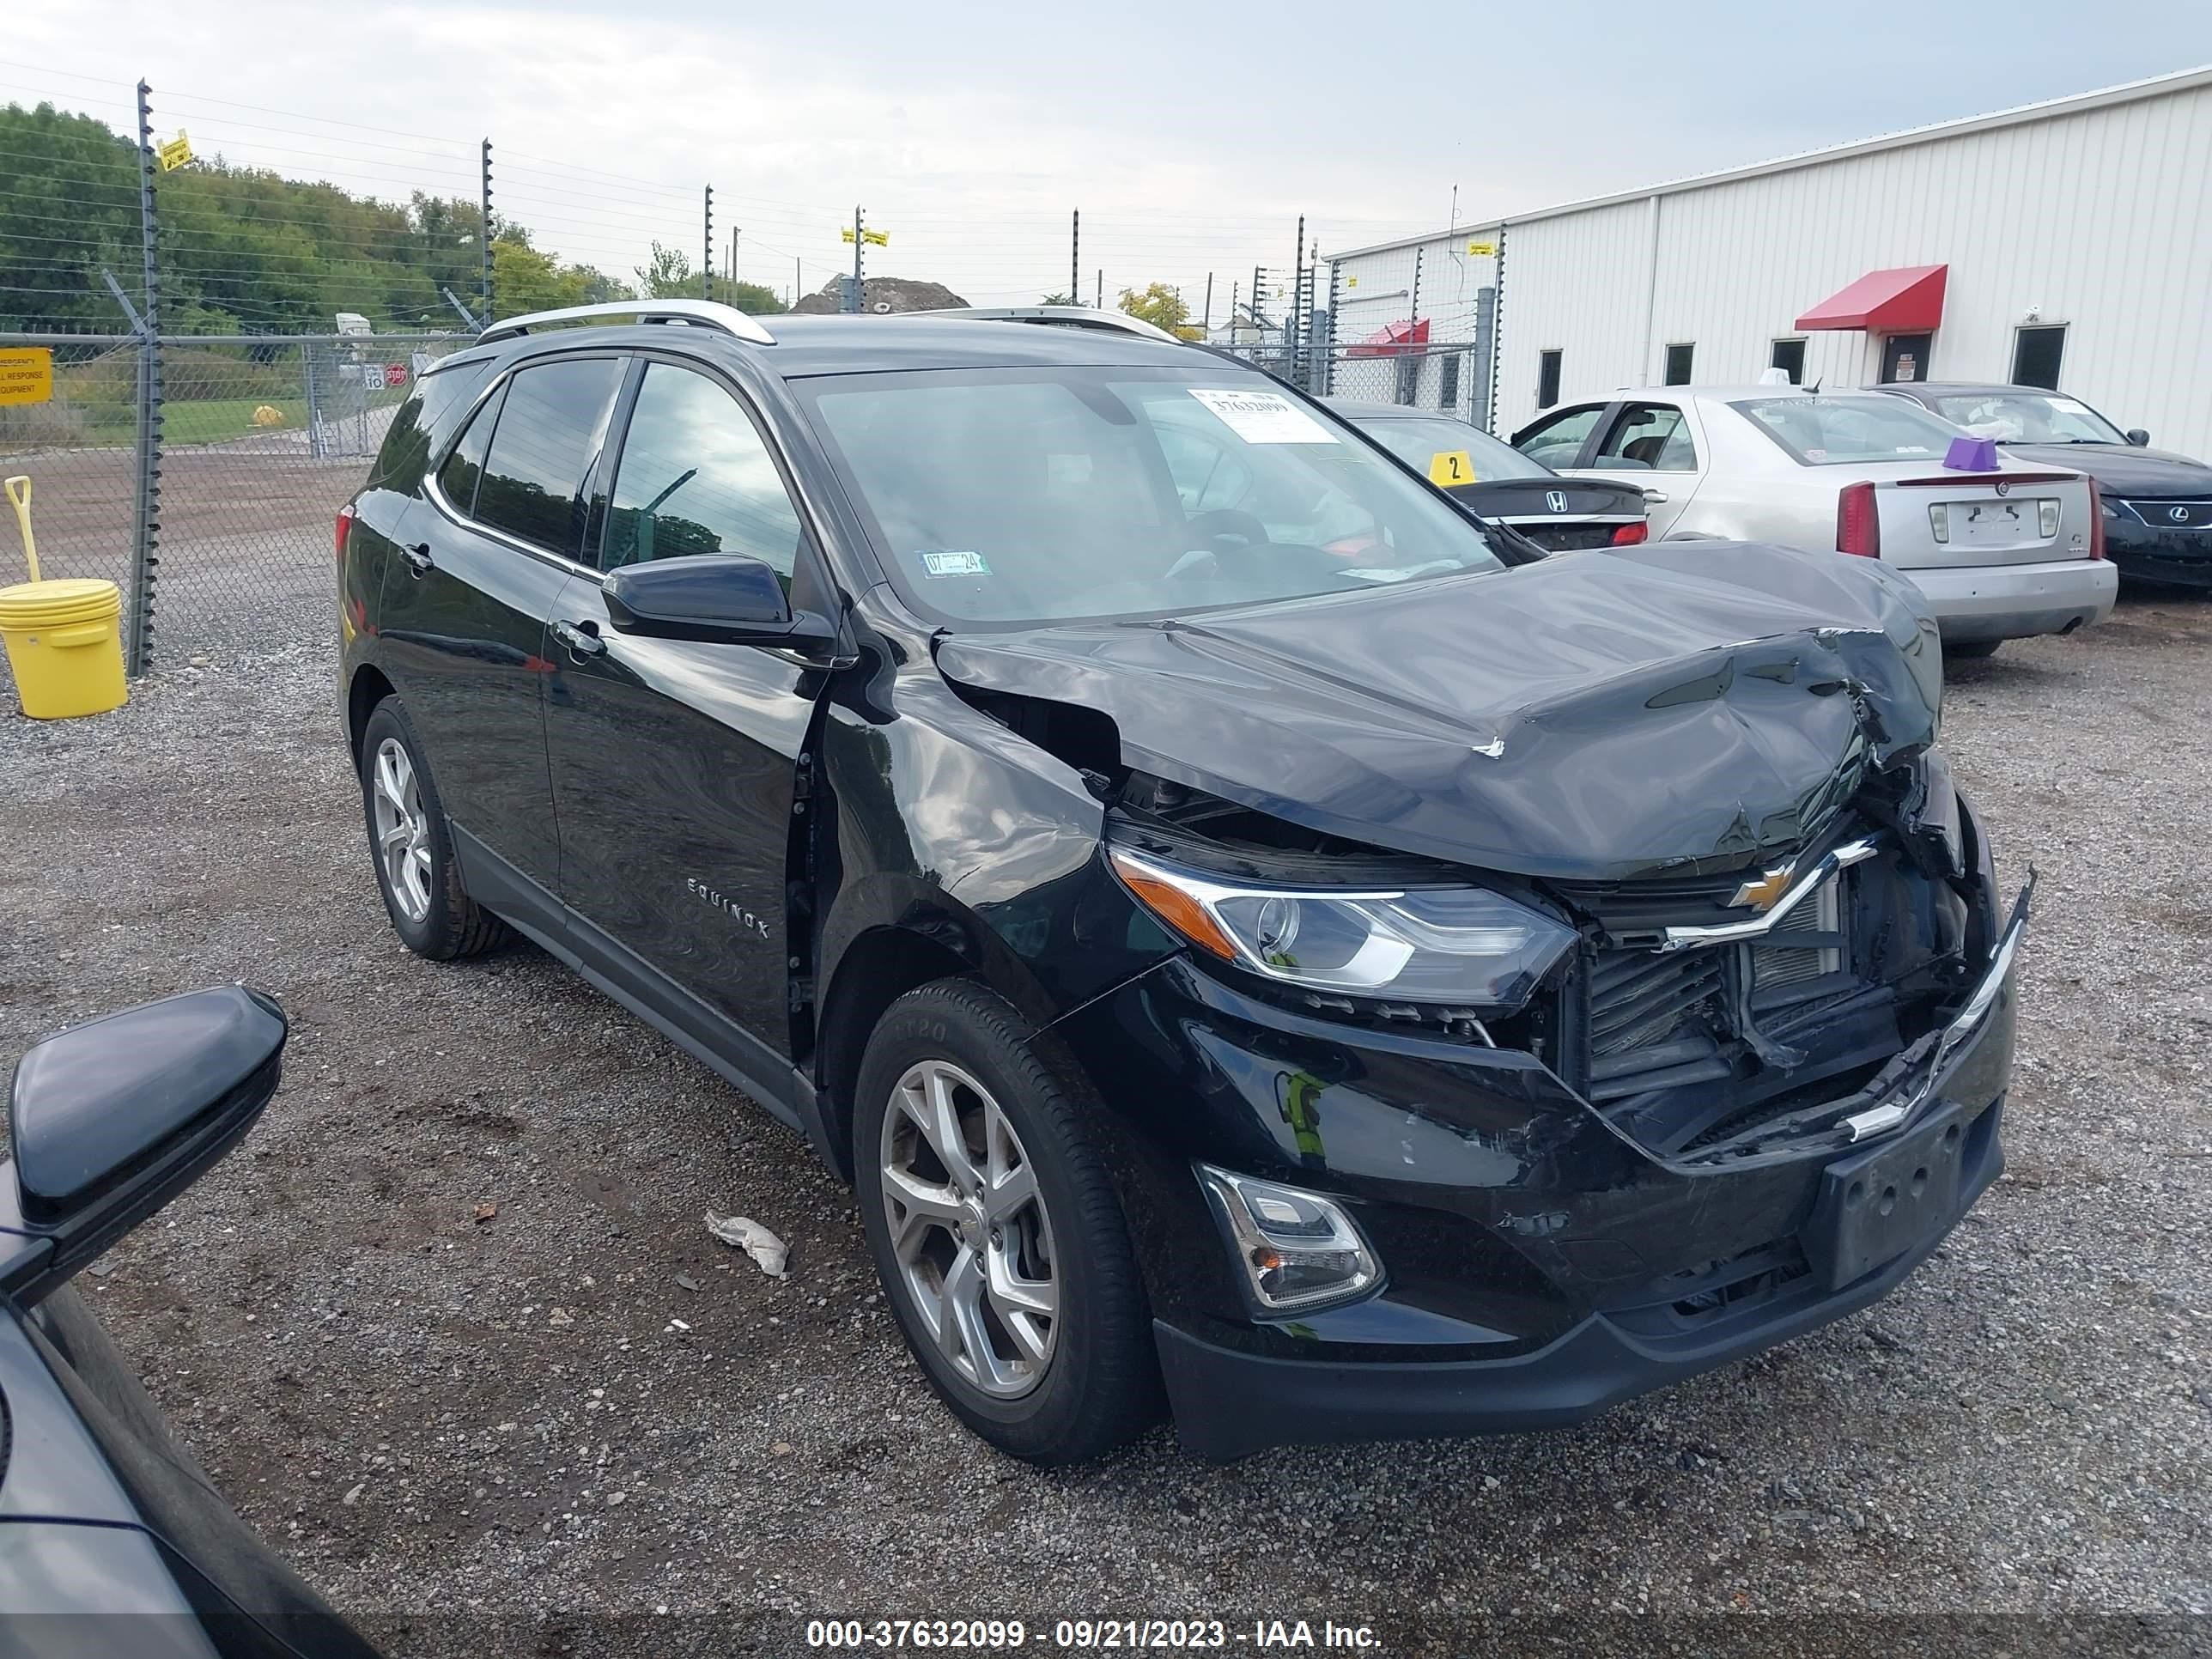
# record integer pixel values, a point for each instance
(2001, 552)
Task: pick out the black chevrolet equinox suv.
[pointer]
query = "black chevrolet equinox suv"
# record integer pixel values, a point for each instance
(1258, 937)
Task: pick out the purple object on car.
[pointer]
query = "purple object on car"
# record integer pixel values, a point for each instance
(1971, 455)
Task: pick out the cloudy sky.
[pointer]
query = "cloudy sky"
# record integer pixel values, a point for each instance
(1191, 137)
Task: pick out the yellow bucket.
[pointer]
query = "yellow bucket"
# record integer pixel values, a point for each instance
(64, 643)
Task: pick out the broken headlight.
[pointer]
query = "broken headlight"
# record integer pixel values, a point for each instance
(1465, 946)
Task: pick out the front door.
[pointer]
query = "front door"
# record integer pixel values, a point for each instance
(674, 761)
(1654, 446)
(1905, 356)
(464, 604)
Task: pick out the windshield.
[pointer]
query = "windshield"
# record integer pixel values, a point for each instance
(1431, 444)
(1004, 496)
(1831, 431)
(2028, 417)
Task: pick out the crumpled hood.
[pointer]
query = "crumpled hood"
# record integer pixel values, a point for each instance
(1590, 717)
(2123, 469)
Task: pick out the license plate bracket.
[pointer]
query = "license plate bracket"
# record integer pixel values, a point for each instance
(1876, 1205)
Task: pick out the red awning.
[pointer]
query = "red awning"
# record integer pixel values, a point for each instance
(1400, 336)
(1906, 300)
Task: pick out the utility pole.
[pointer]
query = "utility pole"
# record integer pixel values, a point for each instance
(707, 257)
(1291, 323)
(1209, 302)
(484, 236)
(1075, 258)
(1098, 302)
(798, 283)
(860, 241)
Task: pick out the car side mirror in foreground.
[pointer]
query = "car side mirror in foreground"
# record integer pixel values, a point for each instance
(113, 1119)
(2138, 437)
(720, 598)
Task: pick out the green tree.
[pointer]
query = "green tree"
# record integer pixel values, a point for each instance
(754, 299)
(1159, 306)
(524, 279)
(1059, 300)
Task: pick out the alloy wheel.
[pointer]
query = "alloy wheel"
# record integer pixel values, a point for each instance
(403, 829)
(968, 1229)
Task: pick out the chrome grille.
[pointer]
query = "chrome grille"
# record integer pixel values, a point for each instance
(2159, 515)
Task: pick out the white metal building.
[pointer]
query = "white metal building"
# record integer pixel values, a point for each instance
(2067, 242)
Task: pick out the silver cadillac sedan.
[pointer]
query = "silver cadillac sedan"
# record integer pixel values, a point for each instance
(2002, 551)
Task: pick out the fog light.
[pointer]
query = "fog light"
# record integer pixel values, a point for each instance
(1299, 1251)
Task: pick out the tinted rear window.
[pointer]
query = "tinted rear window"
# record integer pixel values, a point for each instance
(1427, 445)
(1830, 431)
(424, 423)
(549, 429)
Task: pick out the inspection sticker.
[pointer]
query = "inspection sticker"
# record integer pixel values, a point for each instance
(954, 562)
(1264, 417)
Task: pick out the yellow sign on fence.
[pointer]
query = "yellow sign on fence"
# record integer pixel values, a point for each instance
(873, 238)
(26, 375)
(174, 154)
(1482, 250)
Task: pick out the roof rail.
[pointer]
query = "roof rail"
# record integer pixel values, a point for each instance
(700, 314)
(1118, 322)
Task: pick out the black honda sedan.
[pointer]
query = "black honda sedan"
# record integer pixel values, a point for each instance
(1497, 481)
(1251, 931)
(113, 1543)
(2157, 505)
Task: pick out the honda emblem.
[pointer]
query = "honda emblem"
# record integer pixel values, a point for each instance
(1556, 500)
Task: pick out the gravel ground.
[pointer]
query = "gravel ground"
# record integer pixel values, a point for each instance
(583, 1408)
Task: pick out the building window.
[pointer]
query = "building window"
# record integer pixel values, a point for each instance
(2035, 356)
(1678, 364)
(1789, 357)
(1448, 382)
(1547, 379)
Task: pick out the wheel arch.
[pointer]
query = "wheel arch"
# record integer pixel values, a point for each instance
(931, 937)
(368, 688)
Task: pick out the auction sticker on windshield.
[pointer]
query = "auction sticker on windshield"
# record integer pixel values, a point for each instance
(954, 562)
(1264, 417)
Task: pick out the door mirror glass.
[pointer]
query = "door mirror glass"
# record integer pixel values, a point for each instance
(110, 1120)
(2138, 437)
(718, 597)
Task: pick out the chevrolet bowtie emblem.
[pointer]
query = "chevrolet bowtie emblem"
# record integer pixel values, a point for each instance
(1767, 892)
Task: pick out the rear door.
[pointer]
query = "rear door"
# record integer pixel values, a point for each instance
(674, 762)
(464, 608)
(1560, 438)
(1654, 446)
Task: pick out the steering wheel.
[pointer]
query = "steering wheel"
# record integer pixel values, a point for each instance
(1208, 529)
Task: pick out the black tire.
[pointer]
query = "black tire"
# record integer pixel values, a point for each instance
(1101, 1385)
(453, 924)
(1972, 650)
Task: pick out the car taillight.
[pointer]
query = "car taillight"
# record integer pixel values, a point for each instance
(1858, 523)
(345, 528)
(2096, 521)
(1629, 534)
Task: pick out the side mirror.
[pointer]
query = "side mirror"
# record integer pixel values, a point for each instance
(111, 1120)
(2138, 437)
(720, 598)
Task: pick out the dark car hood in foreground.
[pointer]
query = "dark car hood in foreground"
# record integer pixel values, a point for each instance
(2125, 469)
(1586, 718)
(1529, 498)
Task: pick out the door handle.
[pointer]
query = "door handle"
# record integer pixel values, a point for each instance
(1655, 495)
(419, 561)
(582, 639)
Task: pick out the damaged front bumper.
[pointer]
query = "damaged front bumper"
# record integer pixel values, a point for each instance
(1540, 1265)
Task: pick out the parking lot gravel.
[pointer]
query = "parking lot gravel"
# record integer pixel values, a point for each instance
(450, 1330)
